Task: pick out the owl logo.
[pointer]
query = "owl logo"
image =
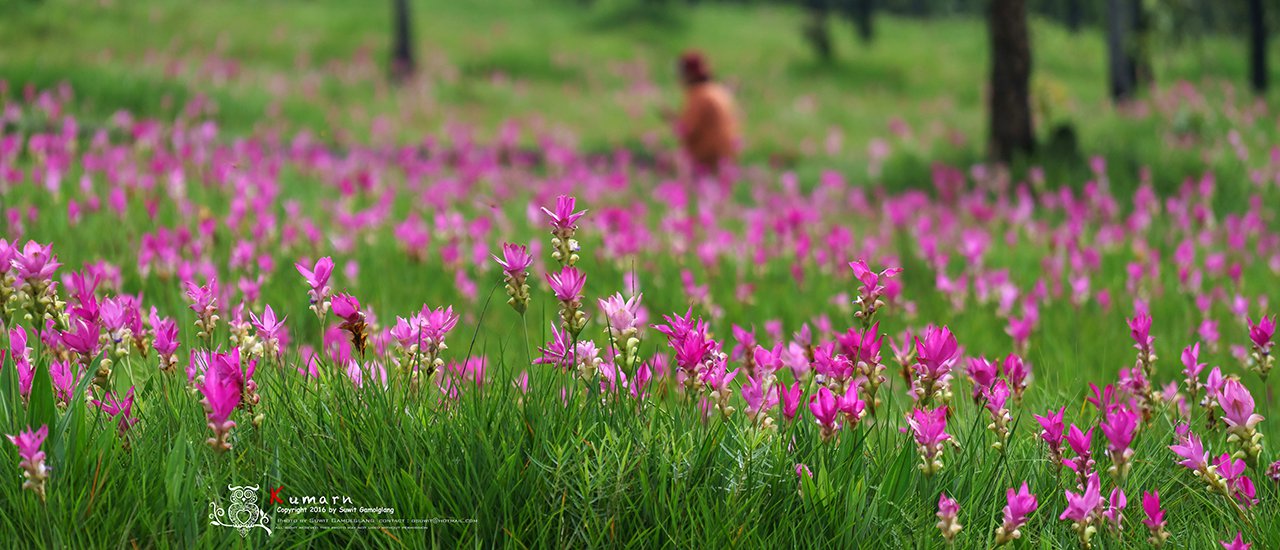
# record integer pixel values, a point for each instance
(242, 514)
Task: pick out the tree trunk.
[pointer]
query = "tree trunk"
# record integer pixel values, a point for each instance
(1140, 46)
(1010, 80)
(1073, 16)
(402, 64)
(818, 31)
(1258, 46)
(1119, 65)
(862, 13)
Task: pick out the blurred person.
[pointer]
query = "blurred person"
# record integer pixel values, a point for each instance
(707, 125)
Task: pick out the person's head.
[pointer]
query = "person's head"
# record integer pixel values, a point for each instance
(693, 68)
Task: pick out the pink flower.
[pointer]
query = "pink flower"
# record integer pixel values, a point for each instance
(1140, 330)
(34, 469)
(1192, 451)
(1119, 426)
(1020, 504)
(318, 276)
(1237, 405)
(938, 351)
(29, 443)
(515, 259)
(1082, 444)
(870, 280)
(948, 512)
(564, 218)
(622, 314)
(1240, 486)
(790, 398)
(82, 338)
(1237, 544)
(930, 431)
(983, 373)
(36, 262)
(1262, 331)
(123, 409)
(826, 411)
(22, 360)
(757, 399)
(1018, 372)
(1191, 362)
(1081, 507)
(853, 407)
(346, 306)
(567, 284)
(268, 326)
(1115, 508)
(222, 388)
(203, 298)
(1052, 427)
(63, 381)
(1155, 515)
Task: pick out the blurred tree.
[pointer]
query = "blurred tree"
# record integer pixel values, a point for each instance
(1073, 15)
(817, 29)
(1258, 46)
(1010, 80)
(1140, 46)
(402, 64)
(860, 13)
(1120, 63)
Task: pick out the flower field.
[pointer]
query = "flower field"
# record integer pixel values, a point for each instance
(502, 338)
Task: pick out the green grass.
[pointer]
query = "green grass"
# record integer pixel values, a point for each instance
(536, 470)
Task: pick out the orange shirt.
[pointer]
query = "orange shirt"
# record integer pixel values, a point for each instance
(708, 125)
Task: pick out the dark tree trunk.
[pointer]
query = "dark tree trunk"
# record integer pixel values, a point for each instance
(1258, 46)
(862, 18)
(817, 30)
(1140, 46)
(1119, 64)
(1010, 80)
(402, 64)
(1073, 15)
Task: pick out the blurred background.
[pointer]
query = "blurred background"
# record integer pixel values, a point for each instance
(880, 89)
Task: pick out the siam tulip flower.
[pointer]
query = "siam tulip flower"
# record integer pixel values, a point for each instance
(1196, 458)
(1261, 333)
(204, 302)
(166, 343)
(983, 374)
(929, 427)
(1020, 504)
(1155, 518)
(222, 387)
(1114, 513)
(1239, 486)
(1119, 426)
(948, 512)
(624, 319)
(1103, 399)
(564, 227)
(347, 308)
(567, 286)
(997, 398)
(34, 470)
(802, 472)
(640, 385)
(853, 407)
(1082, 444)
(119, 410)
(826, 412)
(317, 277)
(1273, 471)
(760, 399)
(1082, 509)
(63, 380)
(715, 379)
(515, 264)
(1237, 544)
(1212, 390)
(1237, 411)
(935, 356)
(22, 361)
(869, 295)
(1140, 330)
(1192, 367)
(1018, 372)
(35, 264)
(1052, 433)
(270, 331)
(790, 399)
